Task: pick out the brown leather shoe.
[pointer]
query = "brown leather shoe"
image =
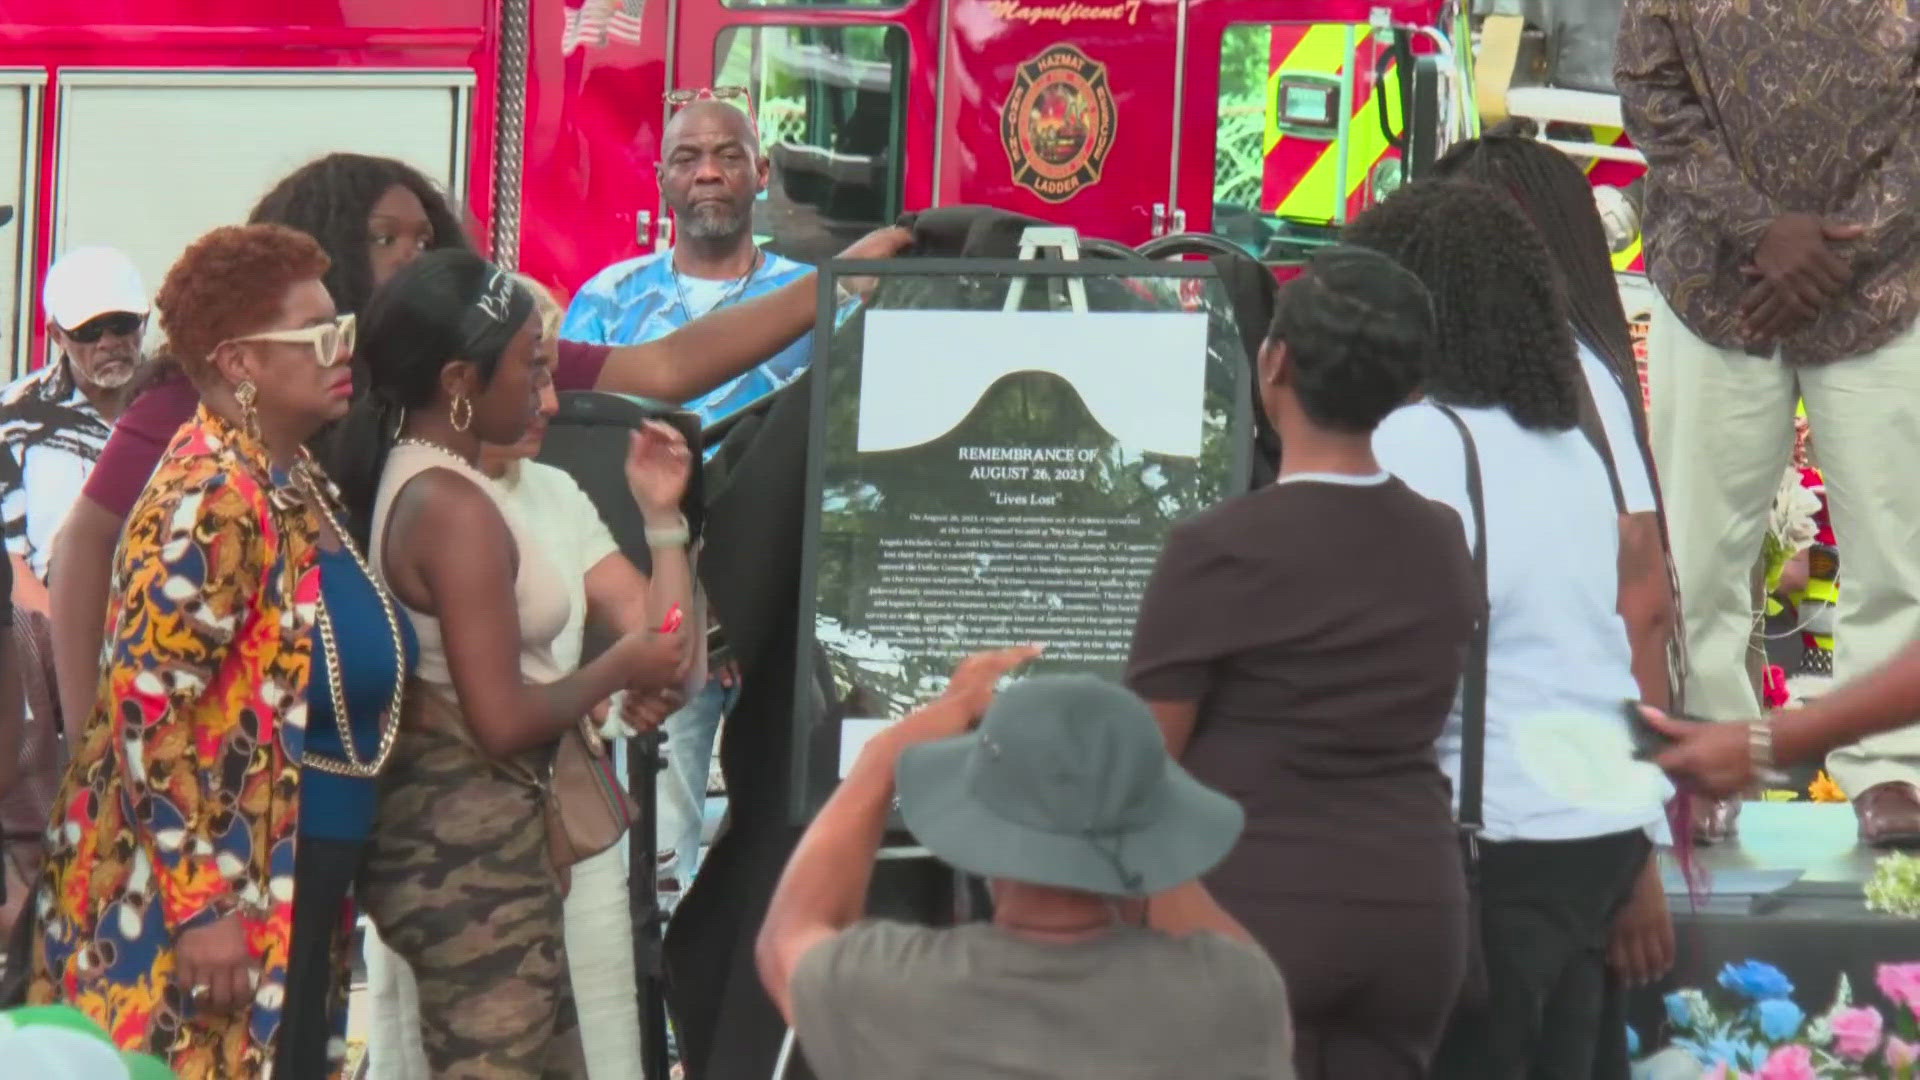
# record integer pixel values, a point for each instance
(1889, 814)
(1715, 821)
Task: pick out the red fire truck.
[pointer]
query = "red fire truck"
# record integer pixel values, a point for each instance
(144, 122)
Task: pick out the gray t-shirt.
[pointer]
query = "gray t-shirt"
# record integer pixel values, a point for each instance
(887, 1001)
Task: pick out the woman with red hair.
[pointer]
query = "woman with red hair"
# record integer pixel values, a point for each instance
(173, 909)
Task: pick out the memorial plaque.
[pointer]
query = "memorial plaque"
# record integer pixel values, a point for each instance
(983, 477)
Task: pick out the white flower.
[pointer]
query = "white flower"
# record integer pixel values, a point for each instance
(1791, 522)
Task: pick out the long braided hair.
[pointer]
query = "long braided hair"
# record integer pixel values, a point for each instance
(1553, 192)
(1504, 340)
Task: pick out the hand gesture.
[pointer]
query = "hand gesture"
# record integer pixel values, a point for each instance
(214, 967)
(879, 244)
(977, 677)
(656, 661)
(1641, 946)
(1795, 274)
(1713, 759)
(968, 694)
(646, 712)
(658, 464)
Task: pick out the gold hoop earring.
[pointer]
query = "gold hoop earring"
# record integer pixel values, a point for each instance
(461, 412)
(246, 394)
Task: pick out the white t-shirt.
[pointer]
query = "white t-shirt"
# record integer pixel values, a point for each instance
(571, 534)
(1557, 650)
(1616, 419)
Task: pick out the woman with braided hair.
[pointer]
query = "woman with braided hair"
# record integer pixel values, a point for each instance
(1554, 194)
(1505, 389)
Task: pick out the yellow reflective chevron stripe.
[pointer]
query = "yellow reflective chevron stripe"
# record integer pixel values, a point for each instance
(1624, 260)
(1604, 136)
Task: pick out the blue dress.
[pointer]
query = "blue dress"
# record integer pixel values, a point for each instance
(341, 807)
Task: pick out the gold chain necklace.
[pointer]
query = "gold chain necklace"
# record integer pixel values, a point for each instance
(308, 475)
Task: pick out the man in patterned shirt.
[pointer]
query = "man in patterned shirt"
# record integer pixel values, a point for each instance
(1782, 230)
(54, 421)
(711, 171)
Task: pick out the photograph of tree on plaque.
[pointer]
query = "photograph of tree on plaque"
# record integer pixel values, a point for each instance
(993, 477)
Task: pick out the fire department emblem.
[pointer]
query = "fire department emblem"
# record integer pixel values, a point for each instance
(1058, 123)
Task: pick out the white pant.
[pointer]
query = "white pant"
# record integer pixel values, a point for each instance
(599, 936)
(1722, 428)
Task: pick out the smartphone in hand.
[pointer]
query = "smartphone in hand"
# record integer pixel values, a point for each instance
(1649, 741)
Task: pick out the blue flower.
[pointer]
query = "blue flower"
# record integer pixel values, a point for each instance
(1633, 1042)
(1679, 1011)
(1723, 1051)
(1778, 1019)
(1756, 981)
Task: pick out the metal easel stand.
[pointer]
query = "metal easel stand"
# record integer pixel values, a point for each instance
(1064, 243)
(645, 759)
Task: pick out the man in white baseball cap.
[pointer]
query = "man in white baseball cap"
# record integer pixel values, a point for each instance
(54, 421)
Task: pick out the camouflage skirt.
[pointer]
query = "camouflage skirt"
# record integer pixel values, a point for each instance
(459, 884)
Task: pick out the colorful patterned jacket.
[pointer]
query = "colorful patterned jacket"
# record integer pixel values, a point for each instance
(181, 805)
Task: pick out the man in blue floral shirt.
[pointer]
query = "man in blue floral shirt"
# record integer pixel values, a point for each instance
(711, 171)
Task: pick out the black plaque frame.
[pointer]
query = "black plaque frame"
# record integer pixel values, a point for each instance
(805, 800)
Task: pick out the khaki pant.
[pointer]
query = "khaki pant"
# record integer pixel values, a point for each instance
(1722, 429)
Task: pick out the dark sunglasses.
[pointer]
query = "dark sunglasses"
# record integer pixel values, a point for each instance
(117, 323)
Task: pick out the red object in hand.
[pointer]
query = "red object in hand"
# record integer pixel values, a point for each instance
(672, 622)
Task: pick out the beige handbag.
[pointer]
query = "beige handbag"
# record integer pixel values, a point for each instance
(587, 809)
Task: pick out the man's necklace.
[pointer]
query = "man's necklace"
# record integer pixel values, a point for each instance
(733, 293)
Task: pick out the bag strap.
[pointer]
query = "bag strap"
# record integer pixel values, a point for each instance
(1473, 678)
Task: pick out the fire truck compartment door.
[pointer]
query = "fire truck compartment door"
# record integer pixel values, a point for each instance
(19, 170)
(149, 160)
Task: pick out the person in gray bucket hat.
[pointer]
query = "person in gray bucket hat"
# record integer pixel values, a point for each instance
(1059, 792)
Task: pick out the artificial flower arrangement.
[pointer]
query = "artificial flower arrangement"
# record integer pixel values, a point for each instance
(1791, 526)
(1895, 885)
(1763, 1035)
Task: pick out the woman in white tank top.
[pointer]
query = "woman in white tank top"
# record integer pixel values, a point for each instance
(459, 881)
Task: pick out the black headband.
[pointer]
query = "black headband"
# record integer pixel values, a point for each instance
(494, 316)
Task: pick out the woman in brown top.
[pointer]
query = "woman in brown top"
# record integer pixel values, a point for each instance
(1300, 646)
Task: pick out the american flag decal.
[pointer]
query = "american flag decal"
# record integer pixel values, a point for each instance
(596, 22)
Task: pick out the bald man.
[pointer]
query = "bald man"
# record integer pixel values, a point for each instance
(711, 171)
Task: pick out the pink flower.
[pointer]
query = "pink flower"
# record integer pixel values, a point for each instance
(1900, 1054)
(1789, 1063)
(1901, 984)
(1856, 1032)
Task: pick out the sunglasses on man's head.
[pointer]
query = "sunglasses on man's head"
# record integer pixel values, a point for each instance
(117, 323)
(678, 98)
(332, 342)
